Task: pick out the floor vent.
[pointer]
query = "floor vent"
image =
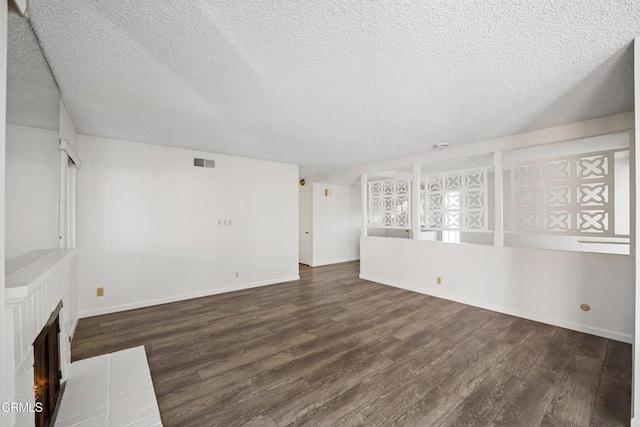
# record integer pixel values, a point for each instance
(204, 163)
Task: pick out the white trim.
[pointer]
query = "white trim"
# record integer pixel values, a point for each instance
(62, 200)
(199, 294)
(415, 205)
(72, 205)
(5, 336)
(498, 200)
(633, 244)
(74, 327)
(632, 196)
(63, 145)
(67, 198)
(526, 315)
(635, 422)
(24, 282)
(364, 200)
(382, 227)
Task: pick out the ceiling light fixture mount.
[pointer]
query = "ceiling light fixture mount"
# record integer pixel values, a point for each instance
(440, 146)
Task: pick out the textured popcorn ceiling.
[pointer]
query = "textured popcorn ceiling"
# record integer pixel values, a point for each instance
(330, 84)
(32, 95)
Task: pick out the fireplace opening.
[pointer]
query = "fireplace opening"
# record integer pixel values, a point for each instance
(46, 369)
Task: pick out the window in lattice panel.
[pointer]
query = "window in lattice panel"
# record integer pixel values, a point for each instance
(390, 203)
(455, 201)
(572, 195)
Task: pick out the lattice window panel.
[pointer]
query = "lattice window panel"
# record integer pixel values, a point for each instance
(455, 201)
(571, 195)
(390, 203)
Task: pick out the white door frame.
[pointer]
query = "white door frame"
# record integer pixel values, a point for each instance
(69, 165)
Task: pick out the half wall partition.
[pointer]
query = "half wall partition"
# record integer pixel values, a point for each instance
(538, 229)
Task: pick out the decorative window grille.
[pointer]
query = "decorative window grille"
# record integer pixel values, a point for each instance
(390, 203)
(455, 201)
(571, 195)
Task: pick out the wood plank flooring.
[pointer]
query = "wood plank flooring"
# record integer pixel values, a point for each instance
(335, 350)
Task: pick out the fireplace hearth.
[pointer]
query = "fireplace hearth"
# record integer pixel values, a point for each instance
(46, 369)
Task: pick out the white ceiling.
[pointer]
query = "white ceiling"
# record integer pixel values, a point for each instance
(32, 95)
(330, 84)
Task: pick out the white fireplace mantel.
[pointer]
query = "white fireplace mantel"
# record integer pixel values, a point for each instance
(27, 273)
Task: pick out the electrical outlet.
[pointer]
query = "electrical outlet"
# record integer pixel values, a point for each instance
(100, 292)
(439, 280)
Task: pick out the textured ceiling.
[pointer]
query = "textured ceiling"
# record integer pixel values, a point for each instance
(330, 84)
(32, 95)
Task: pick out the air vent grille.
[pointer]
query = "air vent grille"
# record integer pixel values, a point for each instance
(204, 163)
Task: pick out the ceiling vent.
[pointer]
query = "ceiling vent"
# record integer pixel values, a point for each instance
(204, 163)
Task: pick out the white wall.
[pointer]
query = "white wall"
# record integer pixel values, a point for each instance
(542, 285)
(4, 377)
(635, 234)
(31, 192)
(148, 224)
(336, 224)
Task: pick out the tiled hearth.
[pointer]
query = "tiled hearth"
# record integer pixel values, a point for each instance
(112, 390)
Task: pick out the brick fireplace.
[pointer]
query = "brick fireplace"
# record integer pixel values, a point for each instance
(40, 294)
(46, 369)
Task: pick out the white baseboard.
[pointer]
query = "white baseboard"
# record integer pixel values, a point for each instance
(182, 297)
(606, 333)
(335, 261)
(74, 326)
(635, 422)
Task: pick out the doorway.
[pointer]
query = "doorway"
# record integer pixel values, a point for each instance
(305, 224)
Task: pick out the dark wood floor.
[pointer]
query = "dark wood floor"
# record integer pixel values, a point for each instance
(332, 349)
